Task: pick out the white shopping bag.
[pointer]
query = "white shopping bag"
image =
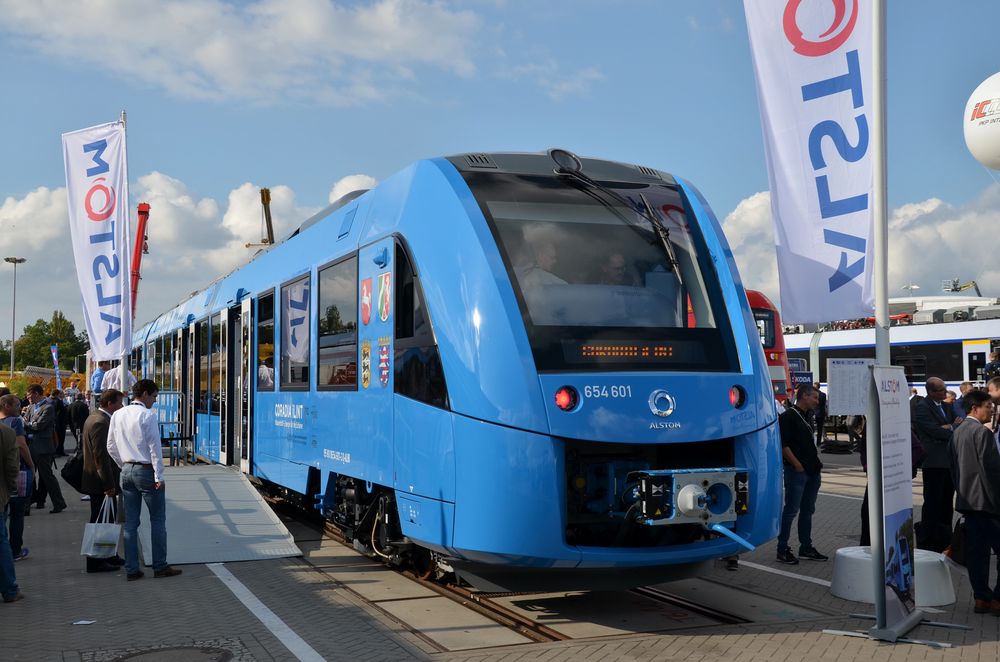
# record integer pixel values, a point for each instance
(100, 538)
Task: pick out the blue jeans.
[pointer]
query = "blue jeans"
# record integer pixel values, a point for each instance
(800, 499)
(17, 507)
(8, 580)
(138, 486)
(982, 534)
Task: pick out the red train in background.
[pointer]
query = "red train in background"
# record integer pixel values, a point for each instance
(768, 322)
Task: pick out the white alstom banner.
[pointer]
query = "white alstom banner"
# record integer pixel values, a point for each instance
(97, 192)
(812, 60)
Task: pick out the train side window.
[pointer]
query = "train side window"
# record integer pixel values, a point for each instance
(168, 362)
(218, 352)
(202, 394)
(418, 372)
(338, 326)
(265, 342)
(295, 322)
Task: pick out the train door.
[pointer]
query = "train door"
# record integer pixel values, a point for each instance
(225, 377)
(374, 375)
(243, 370)
(974, 352)
(192, 383)
(180, 379)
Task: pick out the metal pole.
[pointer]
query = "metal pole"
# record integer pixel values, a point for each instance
(880, 281)
(13, 311)
(123, 366)
(13, 324)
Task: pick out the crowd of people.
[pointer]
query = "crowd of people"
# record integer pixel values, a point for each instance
(122, 462)
(955, 444)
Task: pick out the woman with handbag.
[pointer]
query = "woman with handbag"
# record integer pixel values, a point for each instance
(100, 473)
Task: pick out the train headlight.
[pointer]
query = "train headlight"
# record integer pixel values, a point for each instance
(567, 398)
(737, 396)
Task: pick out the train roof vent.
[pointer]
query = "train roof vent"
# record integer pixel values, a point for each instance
(649, 172)
(480, 161)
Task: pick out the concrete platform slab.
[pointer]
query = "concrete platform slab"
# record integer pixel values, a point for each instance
(451, 625)
(331, 554)
(378, 583)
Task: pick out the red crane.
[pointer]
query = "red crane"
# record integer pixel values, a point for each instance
(140, 248)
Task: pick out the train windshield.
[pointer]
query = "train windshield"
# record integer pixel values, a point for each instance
(601, 287)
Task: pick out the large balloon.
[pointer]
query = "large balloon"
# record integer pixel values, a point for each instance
(982, 122)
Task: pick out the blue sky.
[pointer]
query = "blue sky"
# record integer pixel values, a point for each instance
(225, 97)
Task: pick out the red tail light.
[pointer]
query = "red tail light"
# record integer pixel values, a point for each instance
(567, 398)
(737, 396)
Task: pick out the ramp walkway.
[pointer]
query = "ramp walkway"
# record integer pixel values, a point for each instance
(215, 515)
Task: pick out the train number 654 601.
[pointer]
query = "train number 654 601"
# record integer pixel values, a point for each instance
(616, 391)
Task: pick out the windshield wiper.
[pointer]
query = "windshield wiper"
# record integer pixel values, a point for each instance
(568, 164)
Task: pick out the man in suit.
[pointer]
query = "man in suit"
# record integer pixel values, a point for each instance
(934, 421)
(100, 473)
(40, 425)
(977, 480)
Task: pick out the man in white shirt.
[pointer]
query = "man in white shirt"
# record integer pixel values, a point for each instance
(112, 380)
(134, 444)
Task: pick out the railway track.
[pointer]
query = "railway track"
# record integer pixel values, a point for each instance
(491, 606)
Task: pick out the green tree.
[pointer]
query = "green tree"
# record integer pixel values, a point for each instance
(33, 347)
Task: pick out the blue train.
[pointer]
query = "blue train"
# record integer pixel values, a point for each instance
(533, 370)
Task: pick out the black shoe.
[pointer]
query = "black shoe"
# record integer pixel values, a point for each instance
(133, 576)
(167, 572)
(102, 567)
(732, 565)
(787, 557)
(812, 554)
(57, 509)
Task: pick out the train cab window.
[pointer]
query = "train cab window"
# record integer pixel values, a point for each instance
(765, 326)
(338, 326)
(265, 342)
(610, 277)
(295, 322)
(202, 393)
(418, 373)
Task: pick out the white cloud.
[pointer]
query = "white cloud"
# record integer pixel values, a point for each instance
(929, 241)
(554, 81)
(330, 51)
(751, 236)
(351, 183)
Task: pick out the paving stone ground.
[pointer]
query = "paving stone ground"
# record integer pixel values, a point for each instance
(168, 619)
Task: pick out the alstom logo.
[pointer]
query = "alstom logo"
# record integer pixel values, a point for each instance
(834, 37)
(843, 192)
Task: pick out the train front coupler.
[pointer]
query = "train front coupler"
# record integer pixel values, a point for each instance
(712, 498)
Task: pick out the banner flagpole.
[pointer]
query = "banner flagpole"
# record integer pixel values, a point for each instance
(126, 342)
